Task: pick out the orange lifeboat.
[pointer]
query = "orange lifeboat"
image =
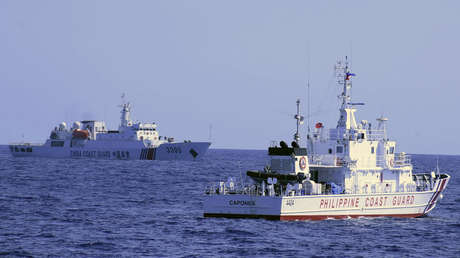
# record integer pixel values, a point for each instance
(80, 134)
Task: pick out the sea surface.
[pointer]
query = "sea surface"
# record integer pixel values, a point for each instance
(103, 208)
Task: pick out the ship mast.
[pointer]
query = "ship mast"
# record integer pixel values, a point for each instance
(299, 121)
(347, 119)
(125, 120)
(346, 98)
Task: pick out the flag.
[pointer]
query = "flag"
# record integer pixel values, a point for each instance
(348, 75)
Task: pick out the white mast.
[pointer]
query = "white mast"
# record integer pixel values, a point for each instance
(125, 112)
(347, 119)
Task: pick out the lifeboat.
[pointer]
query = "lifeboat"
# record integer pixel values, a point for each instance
(80, 134)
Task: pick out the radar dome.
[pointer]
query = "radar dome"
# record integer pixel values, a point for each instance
(76, 125)
(62, 126)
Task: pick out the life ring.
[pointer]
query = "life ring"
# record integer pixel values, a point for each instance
(303, 163)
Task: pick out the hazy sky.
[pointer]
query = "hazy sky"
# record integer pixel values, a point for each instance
(238, 65)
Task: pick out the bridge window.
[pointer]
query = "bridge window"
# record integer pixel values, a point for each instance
(392, 150)
(330, 151)
(339, 149)
(372, 149)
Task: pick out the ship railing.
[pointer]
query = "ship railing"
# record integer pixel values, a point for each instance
(402, 159)
(231, 187)
(421, 182)
(333, 135)
(221, 188)
(399, 160)
(327, 160)
(425, 182)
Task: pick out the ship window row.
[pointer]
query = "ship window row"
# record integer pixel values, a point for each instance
(148, 133)
(145, 129)
(17, 149)
(391, 150)
(338, 149)
(57, 144)
(100, 129)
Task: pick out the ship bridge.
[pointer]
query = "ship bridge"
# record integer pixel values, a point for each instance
(355, 149)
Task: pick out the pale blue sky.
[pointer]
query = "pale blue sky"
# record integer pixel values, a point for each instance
(238, 65)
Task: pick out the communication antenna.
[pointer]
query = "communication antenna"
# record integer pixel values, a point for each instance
(308, 89)
(308, 108)
(241, 174)
(437, 167)
(351, 53)
(210, 132)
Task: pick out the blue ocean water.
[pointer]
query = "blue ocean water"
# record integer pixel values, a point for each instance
(70, 207)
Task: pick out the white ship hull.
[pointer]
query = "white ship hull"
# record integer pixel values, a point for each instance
(319, 207)
(92, 139)
(121, 150)
(352, 170)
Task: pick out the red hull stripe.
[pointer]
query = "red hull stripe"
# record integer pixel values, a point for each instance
(435, 196)
(307, 217)
(439, 191)
(149, 153)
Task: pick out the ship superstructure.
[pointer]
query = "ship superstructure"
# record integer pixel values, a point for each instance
(92, 139)
(352, 170)
(358, 157)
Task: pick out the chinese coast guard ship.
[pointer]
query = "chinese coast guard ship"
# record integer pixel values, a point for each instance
(91, 139)
(349, 171)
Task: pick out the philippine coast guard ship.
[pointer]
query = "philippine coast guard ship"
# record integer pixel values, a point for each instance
(349, 171)
(92, 139)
